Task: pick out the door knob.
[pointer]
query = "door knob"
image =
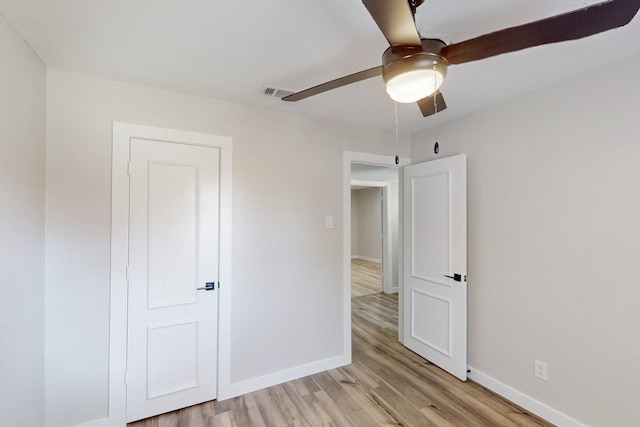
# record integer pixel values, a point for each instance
(456, 277)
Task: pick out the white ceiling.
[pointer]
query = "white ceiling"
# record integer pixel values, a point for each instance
(230, 49)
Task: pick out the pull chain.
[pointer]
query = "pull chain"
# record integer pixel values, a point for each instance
(397, 156)
(436, 147)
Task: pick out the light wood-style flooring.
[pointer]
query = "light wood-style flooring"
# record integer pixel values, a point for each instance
(366, 277)
(386, 385)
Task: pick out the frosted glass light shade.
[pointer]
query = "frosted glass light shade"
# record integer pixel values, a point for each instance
(412, 86)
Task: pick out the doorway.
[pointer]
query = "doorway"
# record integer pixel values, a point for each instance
(374, 228)
(367, 239)
(433, 198)
(372, 171)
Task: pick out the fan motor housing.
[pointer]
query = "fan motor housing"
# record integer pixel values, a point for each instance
(401, 59)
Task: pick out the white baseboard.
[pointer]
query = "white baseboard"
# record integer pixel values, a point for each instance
(523, 400)
(248, 386)
(366, 258)
(102, 422)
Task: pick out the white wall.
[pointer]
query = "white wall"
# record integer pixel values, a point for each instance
(369, 223)
(554, 241)
(287, 268)
(22, 188)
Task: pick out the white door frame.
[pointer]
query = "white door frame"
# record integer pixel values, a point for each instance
(348, 158)
(122, 134)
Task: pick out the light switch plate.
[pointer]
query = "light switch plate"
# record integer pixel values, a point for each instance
(328, 222)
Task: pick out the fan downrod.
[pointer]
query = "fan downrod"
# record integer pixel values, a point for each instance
(414, 4)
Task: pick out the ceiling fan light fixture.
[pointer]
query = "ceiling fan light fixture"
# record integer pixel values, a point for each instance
(411, 74)
(414, 85)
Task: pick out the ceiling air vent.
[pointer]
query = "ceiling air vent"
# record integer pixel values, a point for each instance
(275, 92)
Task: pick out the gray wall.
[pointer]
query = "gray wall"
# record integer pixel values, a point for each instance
(368, 221)
(554, 241)
(22, 188)
(287, 176)
(553, 235)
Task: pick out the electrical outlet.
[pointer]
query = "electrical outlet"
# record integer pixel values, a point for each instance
(540, 370)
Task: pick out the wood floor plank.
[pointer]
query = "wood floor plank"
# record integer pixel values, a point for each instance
(198, 416)
(225, 419)
(403, 410)
(305, 386)
(292, 413)
(246, 411)
(367, 412)
(366, 277)
(434, 417)
(386, 385)
(271, 412)
(351, 399)
(297, 399)
(362, 377)
(328, 413)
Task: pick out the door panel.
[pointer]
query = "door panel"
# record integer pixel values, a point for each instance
(173, 234)
(173, 251)
(430, 321)
(434, 306)
(179, 372)
(429, 221)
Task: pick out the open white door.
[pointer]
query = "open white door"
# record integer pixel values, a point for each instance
(173, 251)
(435, 262)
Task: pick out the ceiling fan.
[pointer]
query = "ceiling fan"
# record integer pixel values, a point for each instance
(413, 68)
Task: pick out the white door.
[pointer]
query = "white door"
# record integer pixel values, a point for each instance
(435, 262)
(173, 251)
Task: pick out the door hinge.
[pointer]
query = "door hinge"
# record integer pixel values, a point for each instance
(128, 168)
(126, 273)
(126, 377)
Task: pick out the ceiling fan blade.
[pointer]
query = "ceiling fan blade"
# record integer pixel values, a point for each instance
(427, 107)
(334, 84)
(569, 26)
(395, 20)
